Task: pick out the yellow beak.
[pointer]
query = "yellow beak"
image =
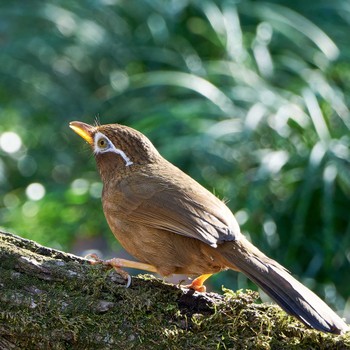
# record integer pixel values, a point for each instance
(83, 130)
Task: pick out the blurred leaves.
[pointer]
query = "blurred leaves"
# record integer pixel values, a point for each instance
(250, 98)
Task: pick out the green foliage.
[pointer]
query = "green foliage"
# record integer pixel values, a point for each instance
(249, 98)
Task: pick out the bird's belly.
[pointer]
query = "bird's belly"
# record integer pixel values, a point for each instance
(169, 252)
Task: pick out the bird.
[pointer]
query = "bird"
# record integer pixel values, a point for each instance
(173, 225)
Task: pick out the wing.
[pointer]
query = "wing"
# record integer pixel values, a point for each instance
(189, 210)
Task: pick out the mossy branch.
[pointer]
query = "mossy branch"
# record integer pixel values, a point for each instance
(54, 300)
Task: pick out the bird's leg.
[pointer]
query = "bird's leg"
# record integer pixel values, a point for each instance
(117, 263)
(197, 283)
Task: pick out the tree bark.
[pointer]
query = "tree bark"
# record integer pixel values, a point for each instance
(54, 300)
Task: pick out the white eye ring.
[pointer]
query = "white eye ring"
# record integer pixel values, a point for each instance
(103, 144)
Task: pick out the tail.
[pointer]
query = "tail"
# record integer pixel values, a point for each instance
(281, 286)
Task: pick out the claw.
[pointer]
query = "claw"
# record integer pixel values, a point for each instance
(128, 283)
(93, 258)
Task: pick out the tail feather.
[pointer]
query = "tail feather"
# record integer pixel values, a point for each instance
(282, 287)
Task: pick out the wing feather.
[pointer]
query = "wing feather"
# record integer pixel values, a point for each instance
(189, 210)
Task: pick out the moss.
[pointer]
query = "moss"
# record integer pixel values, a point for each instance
(80, 306)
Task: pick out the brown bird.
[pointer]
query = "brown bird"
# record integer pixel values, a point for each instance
(173, 225)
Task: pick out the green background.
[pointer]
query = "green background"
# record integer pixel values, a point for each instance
(248, 97)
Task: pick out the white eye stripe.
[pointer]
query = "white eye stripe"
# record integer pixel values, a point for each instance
(110, 148)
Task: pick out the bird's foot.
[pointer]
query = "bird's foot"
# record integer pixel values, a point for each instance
(198, 283)
(94, 259)
(114, 263)
(117, 263)
(196, 288)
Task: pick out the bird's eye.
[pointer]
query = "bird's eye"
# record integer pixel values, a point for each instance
(102, 143)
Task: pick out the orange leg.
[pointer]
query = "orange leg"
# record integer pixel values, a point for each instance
(197, 283)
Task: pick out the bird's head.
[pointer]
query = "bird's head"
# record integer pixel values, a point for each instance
(116, 147)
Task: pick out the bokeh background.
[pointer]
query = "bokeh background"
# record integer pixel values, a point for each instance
(248, 97)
